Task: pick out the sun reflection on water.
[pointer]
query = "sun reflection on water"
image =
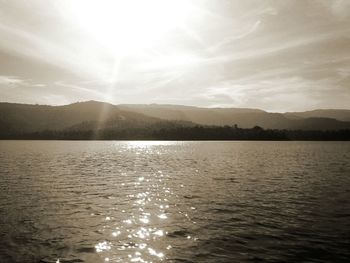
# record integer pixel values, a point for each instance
(142, 231)
(137, 229)
(147, 144)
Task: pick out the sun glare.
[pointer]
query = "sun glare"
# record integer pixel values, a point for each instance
(125, 25)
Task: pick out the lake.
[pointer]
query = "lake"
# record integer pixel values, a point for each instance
(154, 201)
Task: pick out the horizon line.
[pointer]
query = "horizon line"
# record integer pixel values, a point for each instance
(164, 104)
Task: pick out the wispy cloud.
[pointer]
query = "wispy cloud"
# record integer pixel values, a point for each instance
(6, 80)
(275, 55)
(231, 39)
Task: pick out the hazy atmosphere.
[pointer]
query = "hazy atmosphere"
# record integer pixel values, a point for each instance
(180, 131)
(272, 55)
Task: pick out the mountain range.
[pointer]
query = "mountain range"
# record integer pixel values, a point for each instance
(247, 118)
(94, 115)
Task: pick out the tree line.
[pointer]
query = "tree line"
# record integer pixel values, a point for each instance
(183, 133)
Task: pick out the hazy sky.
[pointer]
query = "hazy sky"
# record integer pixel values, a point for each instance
(273, 55)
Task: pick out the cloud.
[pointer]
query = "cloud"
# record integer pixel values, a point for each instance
(233, 38)
(275, 55)
(339, 8)
(6, 80)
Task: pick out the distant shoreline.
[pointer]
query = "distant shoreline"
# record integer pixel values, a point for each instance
(95, 120)
(196, 133)
(149, 140)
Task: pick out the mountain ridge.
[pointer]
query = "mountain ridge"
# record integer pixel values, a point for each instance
(243, 117)
(95, 115)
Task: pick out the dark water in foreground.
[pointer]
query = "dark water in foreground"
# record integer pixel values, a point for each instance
(174, 201)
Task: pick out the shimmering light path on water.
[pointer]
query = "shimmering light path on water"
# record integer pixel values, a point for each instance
(174, 201)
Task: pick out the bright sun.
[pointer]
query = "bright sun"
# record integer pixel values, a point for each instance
(123, 26)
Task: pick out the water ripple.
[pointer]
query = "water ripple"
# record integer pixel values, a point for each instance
(174, 201)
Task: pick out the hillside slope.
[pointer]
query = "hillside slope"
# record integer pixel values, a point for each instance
(244, 118)
(26, 118)
(93, 116)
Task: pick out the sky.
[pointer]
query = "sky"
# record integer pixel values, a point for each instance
(273, 55)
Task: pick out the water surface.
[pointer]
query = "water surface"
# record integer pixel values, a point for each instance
(95, 201)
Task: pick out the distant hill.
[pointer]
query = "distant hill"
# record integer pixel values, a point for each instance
(90, 115)
(244, 118)
(94, 116)
(340, 115)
